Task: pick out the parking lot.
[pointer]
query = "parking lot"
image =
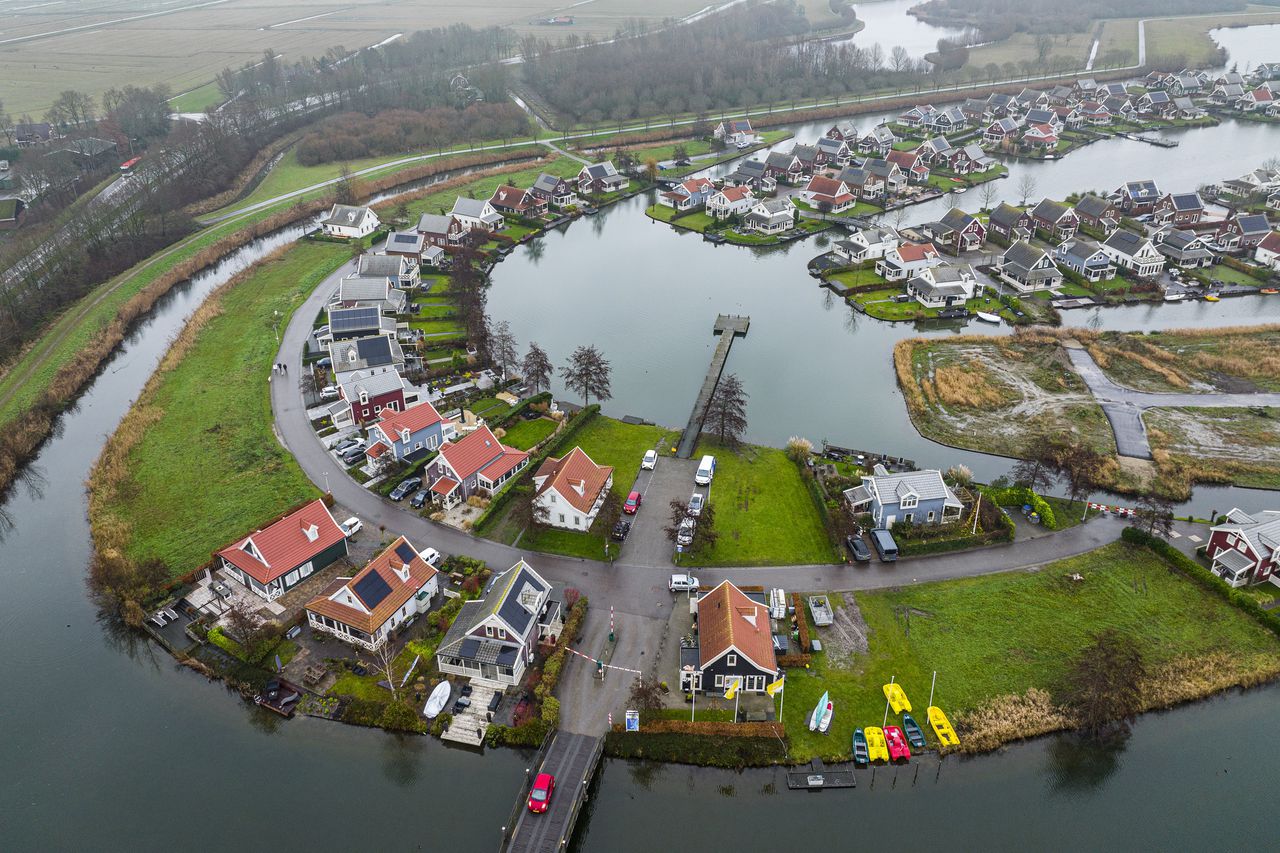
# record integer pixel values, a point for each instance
(672, 479)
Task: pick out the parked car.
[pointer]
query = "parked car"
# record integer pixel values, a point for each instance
(325, 363)
(632, 503)
(352, 526)
(696, 502)
(432, 556)
(706, 471)
(683, 583)
(885, 546)
(321, 331)
(684, 533)
(419, 499)
(347, 444)
(858, 549)
(353, 456)
(403, 490)
(540, 795)
(650, 460)
(620, 531)
(329, 392)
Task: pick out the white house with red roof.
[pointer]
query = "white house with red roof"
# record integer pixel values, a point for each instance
(731, 201)
(1040, 136)
(907, 260)
(477, 463)
(367, 608)
(1245, 547)
(688, 195)
(513, 201)
(569, 491)
(409, 435)
(1268, 251)
(277, 558)
(828, 194)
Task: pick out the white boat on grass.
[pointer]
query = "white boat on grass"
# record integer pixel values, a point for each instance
(437, 700)
(987, 317)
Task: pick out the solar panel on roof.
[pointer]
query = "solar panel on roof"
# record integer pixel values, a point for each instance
(376, 350)
(468, 648)
(347, 319)
(371, 589)
(405, 238)
(405, 551)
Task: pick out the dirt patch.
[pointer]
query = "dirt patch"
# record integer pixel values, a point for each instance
(846, 636)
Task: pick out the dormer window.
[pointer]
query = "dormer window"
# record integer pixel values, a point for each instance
(312, 532)
(909, 501)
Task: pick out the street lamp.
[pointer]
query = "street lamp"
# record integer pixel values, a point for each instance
(326, 483)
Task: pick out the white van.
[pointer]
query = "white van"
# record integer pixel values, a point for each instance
(706, 471)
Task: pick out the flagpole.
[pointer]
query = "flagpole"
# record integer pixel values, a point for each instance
(783, 702)
(736, 693)
(931, 686)
(693, 714)
(886, 705)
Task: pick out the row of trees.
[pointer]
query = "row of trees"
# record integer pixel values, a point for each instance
(351, 136)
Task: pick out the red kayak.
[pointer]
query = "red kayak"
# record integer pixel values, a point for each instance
(897, 743)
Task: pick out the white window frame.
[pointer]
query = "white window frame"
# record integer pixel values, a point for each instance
(909, 502)
(731, 660)
(719, 681)
(488, 630)
(909, 517)
(931, 514)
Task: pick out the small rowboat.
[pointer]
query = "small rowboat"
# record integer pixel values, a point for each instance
(897, 698)
(914, 735)
(821, 716)
(1174, 297)
(987, 317)
(824, 719)
(860, 755)
(437, 700)
(876, 748)
(898, 749)
(1269, 291)
(1211, 297)
(942, 727)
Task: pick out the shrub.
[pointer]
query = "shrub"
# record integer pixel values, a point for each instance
(551, 712)
(364, 712)
(399, 717)
(801, 623)
(715, 729)
(1021, 496)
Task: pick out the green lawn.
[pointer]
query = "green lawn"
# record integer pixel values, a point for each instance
(1231, 275)
(525, 434)
(197, 100)
(207, 467)
(437, 326)
(1002, 634)
(861, 278)
(764, 512)
(880, 305)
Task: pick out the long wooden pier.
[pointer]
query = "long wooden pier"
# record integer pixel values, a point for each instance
(728, 327)
(572, 759)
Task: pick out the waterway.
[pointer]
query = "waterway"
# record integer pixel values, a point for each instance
(1248, 46)
(108, 744)
(888, 25)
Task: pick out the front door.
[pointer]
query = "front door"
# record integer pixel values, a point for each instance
(889, 520)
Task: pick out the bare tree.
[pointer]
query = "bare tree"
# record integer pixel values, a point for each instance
(899, 59)
(1105, 684)
(645, 694)
(705, 534)
(1037, 469)
(1156, 514)
(726, 416)
(588, 373)
(344, 189)
(1026, 187)
(502, 346)
(537, 367)
(987, 192)
(386, 658)
(1044, 44)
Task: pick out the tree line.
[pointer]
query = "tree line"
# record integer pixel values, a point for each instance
(351, 136)
(1000, 19)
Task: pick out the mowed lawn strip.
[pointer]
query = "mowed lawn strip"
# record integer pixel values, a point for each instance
(1005, 633)
(525, 434)
(764, 513)
(210, 468)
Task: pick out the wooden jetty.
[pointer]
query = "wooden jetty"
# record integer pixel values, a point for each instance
(868, 459)
(819, 778)
(572, 759)
(728, 327)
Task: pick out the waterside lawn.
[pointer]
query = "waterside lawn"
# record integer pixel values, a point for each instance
(1003, 634)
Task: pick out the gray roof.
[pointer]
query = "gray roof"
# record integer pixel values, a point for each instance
(1092, 206)
(373, 351)
(371, 384)
(751, 169)
(925, 485)
(1022, 254)
(599, 171)
(1050, 210)
(1186, 201)
(804, 153)
(546, 183)
(1041, 116)
(831, 146)
(1006, 215)
(1078, 252)
(956, 219)
(473, 207)
(373, 288)
(1141, 190)
(346, 214)
(435, 223)
(392, 266)
(780, 160)
(1253, 223)
(1125, 242)
(405, 241)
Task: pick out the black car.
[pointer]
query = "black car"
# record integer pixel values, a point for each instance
(620, 531)
(403, 490)
(353, 455)
(419, 500)
(858, 549)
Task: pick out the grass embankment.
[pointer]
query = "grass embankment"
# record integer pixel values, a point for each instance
(764, 512)
(1222, 445)
(525, 434)
(993, 640)
(197, 100)
(1187, 38)
(195, 462)
(992, 394)
(1021, 47)
(1236, 358)
(607, 442)
(441, 200)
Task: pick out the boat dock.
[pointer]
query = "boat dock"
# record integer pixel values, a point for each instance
(867, 459)
(728, 327)
(1151, 140)
(817, 778)
(572, 759)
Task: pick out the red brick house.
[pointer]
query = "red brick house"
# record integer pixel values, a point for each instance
(514, 201)
(1179, 209)
(366, 394)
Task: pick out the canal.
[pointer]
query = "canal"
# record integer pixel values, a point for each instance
(108, 744)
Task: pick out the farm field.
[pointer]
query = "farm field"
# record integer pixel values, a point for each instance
(94, 45)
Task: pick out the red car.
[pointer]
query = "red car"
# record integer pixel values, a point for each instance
(540, 796)
(632, 503)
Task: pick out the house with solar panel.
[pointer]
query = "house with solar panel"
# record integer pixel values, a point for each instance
(271, 561)
(365, 395)
(349, 221)
(364, 354)
(476, 464)
(378, 291)
(361, 321)
(406, 244)
(495, 637)
(410, 435)
(387, 594)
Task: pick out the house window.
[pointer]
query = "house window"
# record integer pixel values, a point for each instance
(377, 409)
(719, 681)
(488, 630)
(577, 522)
(931, 515)
(502, 634)
(909, 502)
(731, 660)
(562, 518)
(909, 517)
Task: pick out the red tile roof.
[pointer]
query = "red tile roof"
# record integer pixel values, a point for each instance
(1271, 242)
(728, 619)
(571, 472)
(414, 418)
(916, 251)
(285, 545)
(444, 486)
(820, 185)
(480, 451)
(376, 450)
(903, 159)
(391, 567)
(736, 193)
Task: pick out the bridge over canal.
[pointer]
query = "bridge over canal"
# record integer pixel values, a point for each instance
(572, 759)
(728, 327)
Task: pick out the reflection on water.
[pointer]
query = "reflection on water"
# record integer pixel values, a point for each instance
(1077, 763)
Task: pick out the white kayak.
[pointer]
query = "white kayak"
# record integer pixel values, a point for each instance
(437, 700)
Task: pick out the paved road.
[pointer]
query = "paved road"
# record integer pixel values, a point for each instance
(1124, 406)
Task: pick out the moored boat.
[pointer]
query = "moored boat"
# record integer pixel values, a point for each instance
(987, 317)
(1269, 291)
(897, 698)
(1211, 297)
(876, 748)
(942, 727)
(816, 717)
(1174, 297)
(824, 719)
(437, 700)
(914, 734)
(861, 756)
(897, 743)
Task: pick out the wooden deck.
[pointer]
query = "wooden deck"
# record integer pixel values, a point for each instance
(728, 327)
(817, 778)
(572, 759)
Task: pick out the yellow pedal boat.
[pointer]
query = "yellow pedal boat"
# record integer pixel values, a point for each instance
(877, 748)
(897, 698)
(942, 727)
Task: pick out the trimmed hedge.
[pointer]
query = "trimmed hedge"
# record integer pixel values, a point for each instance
(699, 749)
(1202, 576)
(512, 411)
(794, 661)
(801, 623)
(715, 729)
(1021, 496)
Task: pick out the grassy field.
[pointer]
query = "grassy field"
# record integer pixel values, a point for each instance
(197, 100)
(1021, 47)
(525, 434)
(1188, 37)
(880, 304)
(1004, 634)
(205, 466)
(1240, 446)
(483, 187)
(764, 512)
(1241, 358)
